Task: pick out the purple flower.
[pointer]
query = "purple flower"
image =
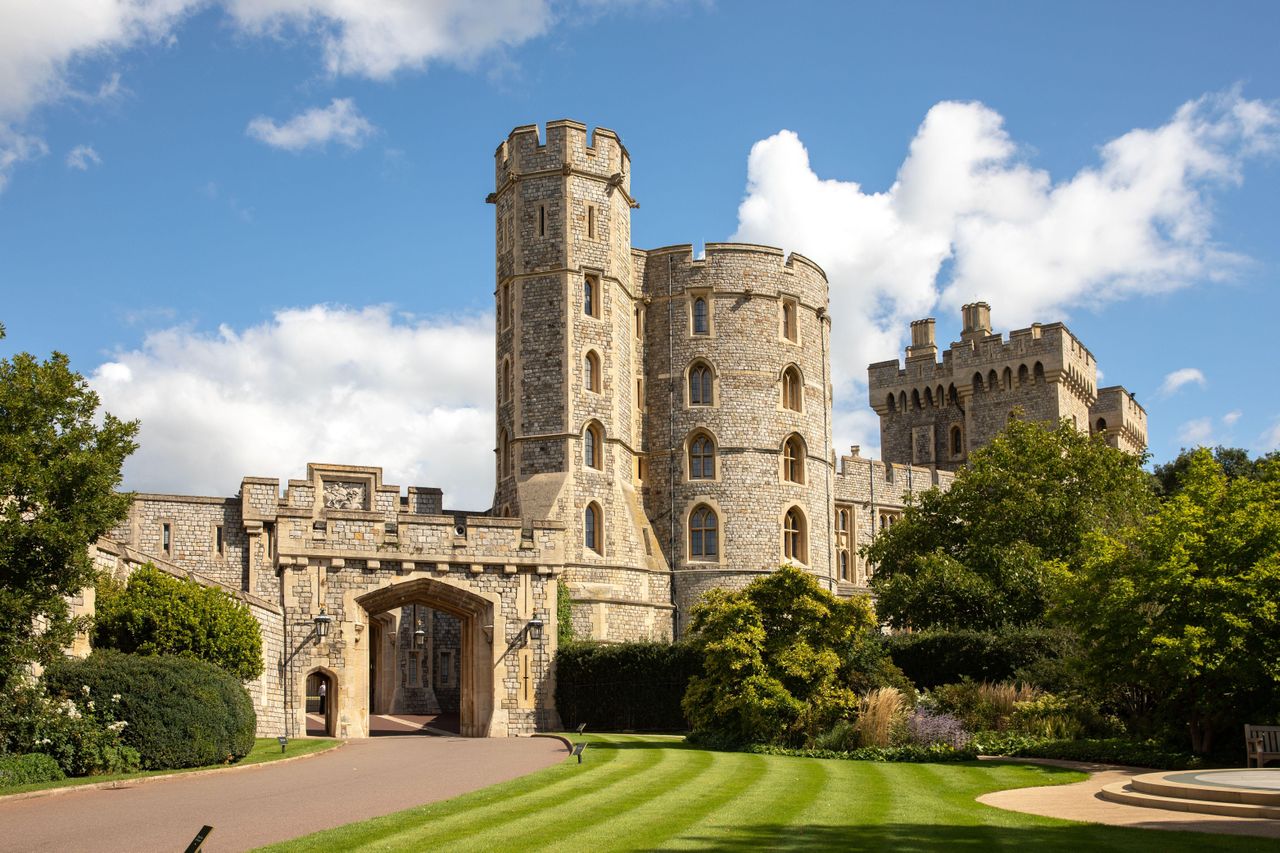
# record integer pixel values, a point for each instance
(925, 728)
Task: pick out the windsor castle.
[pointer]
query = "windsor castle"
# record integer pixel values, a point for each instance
(663, 427)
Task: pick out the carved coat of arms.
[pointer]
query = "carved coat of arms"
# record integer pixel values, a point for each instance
(344, 495)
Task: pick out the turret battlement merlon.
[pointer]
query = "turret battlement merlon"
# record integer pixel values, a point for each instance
(717, 256)
(568, 149)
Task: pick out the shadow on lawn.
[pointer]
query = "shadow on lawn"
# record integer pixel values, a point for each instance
(916, 838)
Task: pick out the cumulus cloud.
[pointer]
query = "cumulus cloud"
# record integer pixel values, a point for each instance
(1179, 379)
(1195, 433)
(969, 218)
(82, 157)
(17, 148)
(317, 384)
(340, 122)
(1231, 418)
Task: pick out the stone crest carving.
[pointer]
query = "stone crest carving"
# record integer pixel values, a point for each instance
(344, 495)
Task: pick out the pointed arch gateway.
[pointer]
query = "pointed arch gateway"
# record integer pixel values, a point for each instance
(480, 618)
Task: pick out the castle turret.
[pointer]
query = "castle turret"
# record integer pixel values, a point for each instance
(568, 437)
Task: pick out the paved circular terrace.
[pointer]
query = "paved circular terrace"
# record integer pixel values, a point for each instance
(266, 803)
(1266, 779)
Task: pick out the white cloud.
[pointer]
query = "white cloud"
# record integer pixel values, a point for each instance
(1231, 418)
(1179, 379)
(318, 384)
(967, 218)
(17, 148)
(82, 157)
(1196, 432)
(1271, 438)
(340, 122)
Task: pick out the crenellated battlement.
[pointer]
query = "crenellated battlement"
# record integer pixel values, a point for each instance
(566, 147)
(741, 269)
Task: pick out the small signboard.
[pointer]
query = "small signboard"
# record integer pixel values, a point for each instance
(198, 841)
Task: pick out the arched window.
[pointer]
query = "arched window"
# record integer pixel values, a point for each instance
(952, 397)
(702, 458)
(902, 400)
(1022, 374)
(1039, 372)
(593, 446)
(928, 397)
(700, 385)
(506, 379)
(1102, 424)
(789, 328)
(704, 534)
(844, 565)
(591, 372)
(891, 403)
(792, 389)
(957, 440)
(794, 538)
(591, 528)
(504, 452)
(1008, 379)
(977, 382)
(993, 381)
(915, 398)
(793, 459)
(591, 296)
(842, 521)
(701, 322)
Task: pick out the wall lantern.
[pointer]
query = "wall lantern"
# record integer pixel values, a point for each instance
(419, 635)
(322, 621)
(534, 628)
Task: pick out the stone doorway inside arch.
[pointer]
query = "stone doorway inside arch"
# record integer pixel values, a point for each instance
(429, 658)
(322, 703)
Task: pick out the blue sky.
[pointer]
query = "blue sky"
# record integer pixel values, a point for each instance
(265, 235)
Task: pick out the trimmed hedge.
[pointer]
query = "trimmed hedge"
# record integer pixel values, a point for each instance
(28, 769)
(624, 686)
(1116, 751)
(180, 712)
(934, 657)
(920, 753)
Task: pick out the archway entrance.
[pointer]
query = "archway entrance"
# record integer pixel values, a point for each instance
(322, 703)
(430, 659)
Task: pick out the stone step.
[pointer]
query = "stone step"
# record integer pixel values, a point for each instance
(1180, 786)
(1124, 792)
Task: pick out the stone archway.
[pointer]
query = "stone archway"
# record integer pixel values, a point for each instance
(328, 701)
(480, 622)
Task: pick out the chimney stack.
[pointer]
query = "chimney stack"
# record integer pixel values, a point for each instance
(922, 339)
(977, 321)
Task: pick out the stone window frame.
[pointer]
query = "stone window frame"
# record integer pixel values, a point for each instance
(593, 221)
(507, 380)
(845, 568)
(169, 532)
(444, 667)
(592, 295)
(219, 539)
(793, 460)
(505, 456)
(791, 389)
(789, 320)
(592, 381)
(694, 436)
(593, 446)
(505, 306)
(593, 527)
(694, 296)
(638, 328)
(956, 441)
(887, 518)
(708, 508)
(713, 377)
(794, 525)
(542, 220)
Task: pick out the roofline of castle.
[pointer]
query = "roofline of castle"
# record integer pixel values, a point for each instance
(725, 248)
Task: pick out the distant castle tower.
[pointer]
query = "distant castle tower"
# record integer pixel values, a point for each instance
(935, 413)
(569, 372)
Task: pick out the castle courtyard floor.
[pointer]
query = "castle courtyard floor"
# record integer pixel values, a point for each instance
(272, 802)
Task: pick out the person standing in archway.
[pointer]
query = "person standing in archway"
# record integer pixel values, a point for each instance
(324, 691)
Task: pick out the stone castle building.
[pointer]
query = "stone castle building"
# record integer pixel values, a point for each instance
(934, 413)
(663, 427)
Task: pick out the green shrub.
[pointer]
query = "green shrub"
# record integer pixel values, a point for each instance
(1150, 753)
(82, 733)
(564, 615)
(158, 614)
(930, 658)
(923, 753)
(28, 769)
(982, 706)
(180, 712)
(624, 686)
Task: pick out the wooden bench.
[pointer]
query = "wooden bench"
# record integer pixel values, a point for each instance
(1262, 744)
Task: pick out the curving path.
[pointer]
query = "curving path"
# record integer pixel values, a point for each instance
(266, 803)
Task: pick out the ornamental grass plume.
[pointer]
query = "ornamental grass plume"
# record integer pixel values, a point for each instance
(879, 712)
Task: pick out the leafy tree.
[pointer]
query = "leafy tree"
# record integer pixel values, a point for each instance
(1183, 607)
(1235, 462)
(778, 659)
(59, 471)
(158, 614)
(988, 551)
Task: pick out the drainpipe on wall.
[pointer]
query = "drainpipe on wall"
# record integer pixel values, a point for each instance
(671, 449)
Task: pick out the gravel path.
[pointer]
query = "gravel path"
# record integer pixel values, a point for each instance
(270, 802)
(1080, 801)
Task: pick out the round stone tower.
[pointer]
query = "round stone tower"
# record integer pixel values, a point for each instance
(568, 364)
(739, 472)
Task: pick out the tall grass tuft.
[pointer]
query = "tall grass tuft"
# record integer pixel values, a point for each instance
(879, 713)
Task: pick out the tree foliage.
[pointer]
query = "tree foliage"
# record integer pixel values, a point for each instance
(1235, 462)
(778, 659)
(1184, 606)
(158, 614)
(988, 551)
(59, 471)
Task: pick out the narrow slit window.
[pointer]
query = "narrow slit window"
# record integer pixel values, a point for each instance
(542, 220)
(166, 538)
(591, 222)
(591, 528)
(701, 317)
(217, 539)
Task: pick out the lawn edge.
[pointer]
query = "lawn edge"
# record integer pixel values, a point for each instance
(118, 783)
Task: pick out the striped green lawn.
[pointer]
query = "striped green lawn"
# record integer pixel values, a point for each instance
(638, 792)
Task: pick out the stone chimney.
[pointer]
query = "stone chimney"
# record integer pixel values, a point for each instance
(922, 339)
(977, 321)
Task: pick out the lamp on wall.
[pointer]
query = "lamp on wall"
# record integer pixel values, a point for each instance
(534, 628)
(322, 621)
(419, 635)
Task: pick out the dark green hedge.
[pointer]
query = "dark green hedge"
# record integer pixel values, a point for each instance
(625, 686)
(180, 712)
(934, 657)
(28, 769)
(932, 753)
